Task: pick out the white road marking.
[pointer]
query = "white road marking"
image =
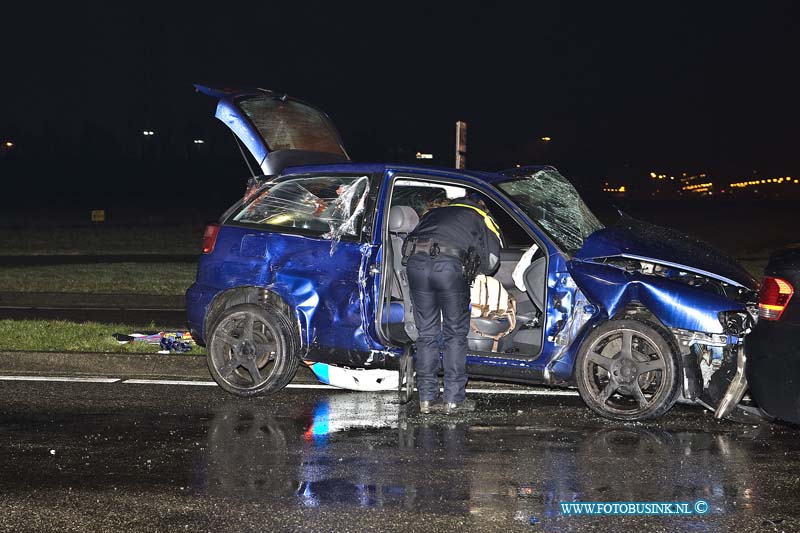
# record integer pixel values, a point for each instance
(213, 384)
(68, 379)
(199, 383)
(311, 386)
(168, 382)
(526, 392)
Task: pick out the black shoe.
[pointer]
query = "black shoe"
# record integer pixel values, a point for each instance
(453, 408)
(429, 406)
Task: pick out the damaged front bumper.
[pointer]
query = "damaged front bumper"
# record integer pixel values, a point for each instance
(714, 364)
(736, 389)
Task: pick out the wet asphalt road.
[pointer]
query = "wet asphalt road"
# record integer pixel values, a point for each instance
(119, 456)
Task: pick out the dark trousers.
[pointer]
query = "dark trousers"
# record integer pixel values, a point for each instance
(440, 297)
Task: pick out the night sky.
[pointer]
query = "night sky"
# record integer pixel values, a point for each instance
(670, 85)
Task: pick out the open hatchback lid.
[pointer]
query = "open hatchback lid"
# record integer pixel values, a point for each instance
(279, 131)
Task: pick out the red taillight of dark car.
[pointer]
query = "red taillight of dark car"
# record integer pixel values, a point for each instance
(775, 295)
(210, 238)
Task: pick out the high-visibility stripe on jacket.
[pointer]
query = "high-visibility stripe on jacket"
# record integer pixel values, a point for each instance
(487, 218)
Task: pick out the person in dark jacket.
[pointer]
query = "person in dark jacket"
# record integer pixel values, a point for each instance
(444, 241)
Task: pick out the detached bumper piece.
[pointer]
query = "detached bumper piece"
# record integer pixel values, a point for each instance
(736, 389)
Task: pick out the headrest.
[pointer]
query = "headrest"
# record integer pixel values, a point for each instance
(402, 219)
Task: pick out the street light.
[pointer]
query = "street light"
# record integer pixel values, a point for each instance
(199, 141)
(546, 139)
(147, 133)
(9, 144)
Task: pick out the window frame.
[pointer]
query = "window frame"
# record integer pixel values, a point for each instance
(487, 191)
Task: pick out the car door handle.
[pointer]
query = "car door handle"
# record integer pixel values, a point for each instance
(373, 269)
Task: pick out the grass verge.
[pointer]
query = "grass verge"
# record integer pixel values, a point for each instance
(99, 240)
(65, 336)
(101, 278)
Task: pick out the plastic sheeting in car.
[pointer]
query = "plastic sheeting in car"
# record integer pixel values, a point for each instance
(331, 206)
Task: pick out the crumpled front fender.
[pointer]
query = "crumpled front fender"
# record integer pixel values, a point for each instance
(675, 304)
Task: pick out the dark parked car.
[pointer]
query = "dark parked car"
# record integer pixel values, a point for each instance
(307, 267)
(773, 348)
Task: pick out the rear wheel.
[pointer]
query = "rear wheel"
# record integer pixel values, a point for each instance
(252, 350)
(627, 370)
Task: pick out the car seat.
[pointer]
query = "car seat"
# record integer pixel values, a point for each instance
(529, 336)
(492, 315)
(402, 220)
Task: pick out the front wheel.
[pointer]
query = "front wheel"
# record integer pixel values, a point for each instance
(627, 370)
(252, 350)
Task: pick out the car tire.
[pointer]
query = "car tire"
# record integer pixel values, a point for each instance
(252, 350)
(620, 363)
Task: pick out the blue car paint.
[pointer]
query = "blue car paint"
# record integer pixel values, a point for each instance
(323, 290)
(334, 297)
(638, 240)
(675, 304)
(228, 113)
(335, 292)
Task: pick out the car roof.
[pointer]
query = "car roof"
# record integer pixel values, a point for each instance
(486, 177)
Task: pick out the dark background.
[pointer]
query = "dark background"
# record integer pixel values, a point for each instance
(622, 89)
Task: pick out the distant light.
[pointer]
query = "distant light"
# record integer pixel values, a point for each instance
(546, 139)
(9, 144)
(420, 155)
(622, 189)
(518, 165)
(672, 177)
(653, 175)
(147, 133)
(199, 141)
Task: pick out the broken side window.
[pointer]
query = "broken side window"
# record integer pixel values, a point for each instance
(332, 206)
(553, 203)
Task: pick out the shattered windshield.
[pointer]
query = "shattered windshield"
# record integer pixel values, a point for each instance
(332, 205)
(553, 203)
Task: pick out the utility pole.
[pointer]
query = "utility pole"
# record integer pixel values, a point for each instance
(461, 144)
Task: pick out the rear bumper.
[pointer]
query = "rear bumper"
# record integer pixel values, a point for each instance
(773, 369)
(198, 298)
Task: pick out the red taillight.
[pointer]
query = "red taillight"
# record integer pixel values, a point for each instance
(210, 238)
(775, 294)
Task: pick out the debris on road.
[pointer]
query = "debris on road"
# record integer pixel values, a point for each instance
(167, 341)
(358, 379)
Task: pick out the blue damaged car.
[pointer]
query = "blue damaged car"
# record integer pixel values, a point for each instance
(306, 267)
